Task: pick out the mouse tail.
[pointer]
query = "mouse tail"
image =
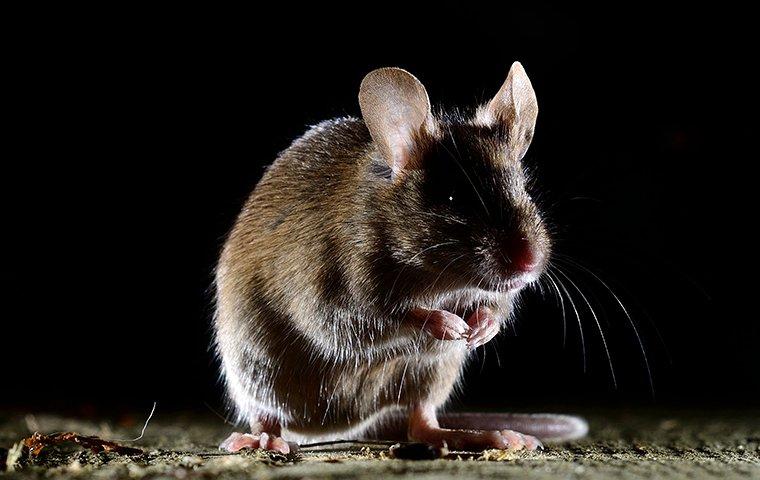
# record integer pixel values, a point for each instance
(548, 427)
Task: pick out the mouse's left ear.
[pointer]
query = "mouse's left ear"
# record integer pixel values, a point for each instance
(515, 107)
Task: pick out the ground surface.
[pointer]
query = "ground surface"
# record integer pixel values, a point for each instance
(693, 444)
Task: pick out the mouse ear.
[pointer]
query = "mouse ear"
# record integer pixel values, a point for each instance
(396, 110)
(515, 107)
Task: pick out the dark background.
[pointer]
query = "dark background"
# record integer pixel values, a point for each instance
(137, 135)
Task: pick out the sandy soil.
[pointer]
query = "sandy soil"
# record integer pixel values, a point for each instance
(622, 444)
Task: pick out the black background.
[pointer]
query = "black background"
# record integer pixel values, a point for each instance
(136, 135)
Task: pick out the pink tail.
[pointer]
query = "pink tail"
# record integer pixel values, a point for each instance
(548, 427)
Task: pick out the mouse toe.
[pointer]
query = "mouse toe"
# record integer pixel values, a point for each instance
(519, 441)
(264, 441)
(238, 441)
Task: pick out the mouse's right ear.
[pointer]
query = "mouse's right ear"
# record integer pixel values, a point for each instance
(396, 110)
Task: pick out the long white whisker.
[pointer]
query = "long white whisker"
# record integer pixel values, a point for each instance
(598, 324)
(628, 316)
(477, 307)
(577, 315)
(562, 306)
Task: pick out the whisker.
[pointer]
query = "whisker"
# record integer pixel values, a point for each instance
(577, 315)
(562, 306)
(477, 307)
(598, 325)
(631, 322)
(496, 351)
(445, 217)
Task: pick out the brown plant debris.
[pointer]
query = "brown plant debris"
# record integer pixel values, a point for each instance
(39, 441)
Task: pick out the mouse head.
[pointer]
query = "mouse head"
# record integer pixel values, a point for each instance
(456, 200)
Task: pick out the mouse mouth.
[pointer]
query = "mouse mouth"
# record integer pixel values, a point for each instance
(463, 301)
(509, 285)
(516, 284)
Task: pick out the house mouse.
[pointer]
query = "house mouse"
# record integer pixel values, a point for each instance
(371, 259)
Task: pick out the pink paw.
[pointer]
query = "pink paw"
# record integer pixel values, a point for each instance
(483, 327)
(440, 324)
(477, 440)
(238, 441)
(518, 441)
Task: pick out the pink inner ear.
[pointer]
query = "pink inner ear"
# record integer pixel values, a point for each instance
(400, 149)
(404, 129)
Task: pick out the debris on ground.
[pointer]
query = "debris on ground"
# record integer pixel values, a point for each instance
(418, 451)
(625, 444)
(38, 441)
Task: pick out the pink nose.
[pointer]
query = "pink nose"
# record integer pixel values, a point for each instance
(522, 255)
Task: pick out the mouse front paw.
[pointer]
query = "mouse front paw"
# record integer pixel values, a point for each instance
(439, 324)
(238, 441)
(483, 327)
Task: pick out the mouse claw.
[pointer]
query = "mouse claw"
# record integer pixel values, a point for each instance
(532, 443)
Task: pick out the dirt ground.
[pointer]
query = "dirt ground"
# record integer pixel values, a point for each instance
(622, 444)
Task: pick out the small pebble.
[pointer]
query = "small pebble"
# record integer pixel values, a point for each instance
(417, 451)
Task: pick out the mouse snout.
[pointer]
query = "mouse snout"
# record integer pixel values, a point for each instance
(521, 255)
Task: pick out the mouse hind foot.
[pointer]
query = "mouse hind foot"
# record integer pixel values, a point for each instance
(476, 440)
(265, 435)
(238, 441)
(424, 427)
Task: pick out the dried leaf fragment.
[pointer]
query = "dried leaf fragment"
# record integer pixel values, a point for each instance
(38, 441)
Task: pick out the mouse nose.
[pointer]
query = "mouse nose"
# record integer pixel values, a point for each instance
(522, 255)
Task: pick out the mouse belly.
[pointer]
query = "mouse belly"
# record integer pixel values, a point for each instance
(360, 396)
